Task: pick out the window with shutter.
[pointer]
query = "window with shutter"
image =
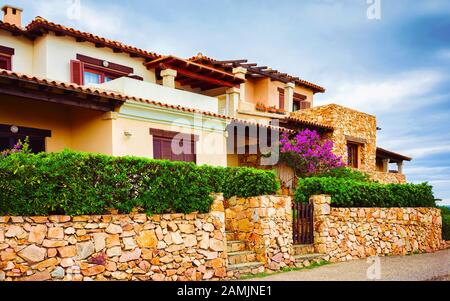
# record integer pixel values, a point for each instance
(162, 146)
(5, 62)
(6, 54)
(77, 72)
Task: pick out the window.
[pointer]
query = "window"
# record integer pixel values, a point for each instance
(184, 146)
(300, 102)
(36, 137)
(86, 70)
(92, 76)
(6, 54)
(5, 62)
(352, 153)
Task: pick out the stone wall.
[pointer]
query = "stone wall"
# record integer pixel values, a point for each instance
(387, 177)
(265, 224)
(351, 233)
(115, 247)
(347, 124)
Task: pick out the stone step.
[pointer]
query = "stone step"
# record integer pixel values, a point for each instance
(303, 249)
(236, 246)
(241, 257)
(244, 268)
(309, 257)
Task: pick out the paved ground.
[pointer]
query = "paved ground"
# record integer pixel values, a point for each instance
(433, 266)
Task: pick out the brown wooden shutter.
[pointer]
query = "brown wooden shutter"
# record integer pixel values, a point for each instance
(281, 99)
(157, 154)
(76, 72)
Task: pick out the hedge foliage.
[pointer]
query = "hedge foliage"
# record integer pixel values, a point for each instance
(351, 193)
(344, 172)
(445, 211)
(79, 183)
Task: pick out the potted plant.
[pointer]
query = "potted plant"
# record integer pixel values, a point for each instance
(272, 109)
(281, 111)
(260, 107)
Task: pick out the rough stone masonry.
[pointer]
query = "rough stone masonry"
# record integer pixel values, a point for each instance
(114, 247)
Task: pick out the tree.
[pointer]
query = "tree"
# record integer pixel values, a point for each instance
(307, 153)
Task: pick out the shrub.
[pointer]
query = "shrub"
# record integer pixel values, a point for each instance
(445, 211)
(351, 193)
(446, 227)
(79, 183)
(345, 173)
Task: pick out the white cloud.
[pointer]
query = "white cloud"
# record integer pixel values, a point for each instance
(421, 170)
(421, 152)
(104, 20)
(394, 92)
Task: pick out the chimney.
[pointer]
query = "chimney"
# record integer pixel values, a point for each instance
(12, 15)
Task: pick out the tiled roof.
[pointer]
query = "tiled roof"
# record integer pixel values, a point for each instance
(253, 68)
(121, 97)
(384, 153)
(304, 120)
(40, 25)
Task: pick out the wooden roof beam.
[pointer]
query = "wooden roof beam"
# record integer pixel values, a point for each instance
(198, 76)
(231, 61)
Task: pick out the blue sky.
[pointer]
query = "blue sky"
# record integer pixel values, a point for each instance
(396, 67)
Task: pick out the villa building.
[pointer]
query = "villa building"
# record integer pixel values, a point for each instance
(64, 88)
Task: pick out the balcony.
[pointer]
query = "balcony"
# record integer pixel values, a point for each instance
(163, 94)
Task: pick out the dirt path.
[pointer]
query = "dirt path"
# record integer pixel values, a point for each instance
(433, 266)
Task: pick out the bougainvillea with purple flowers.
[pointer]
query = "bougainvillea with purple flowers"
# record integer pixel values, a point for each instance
(307, 153)
(19, 147)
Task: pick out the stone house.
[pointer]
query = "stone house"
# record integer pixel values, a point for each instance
(64, 88)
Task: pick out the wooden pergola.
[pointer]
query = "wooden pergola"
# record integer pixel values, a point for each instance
(255, 71)
(194, 74)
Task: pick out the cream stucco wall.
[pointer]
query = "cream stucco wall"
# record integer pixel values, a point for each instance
(73, 128)
(60, 50)
(138, 118)
(92, 131)
(162, 94)
(22, 60)
(98, 132)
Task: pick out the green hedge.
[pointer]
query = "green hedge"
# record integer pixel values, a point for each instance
(344, 172)
(445, 211)
(79, 183)
(351, 193)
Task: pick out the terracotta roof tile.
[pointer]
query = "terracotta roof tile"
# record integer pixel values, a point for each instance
(306, 121)
(40, 24)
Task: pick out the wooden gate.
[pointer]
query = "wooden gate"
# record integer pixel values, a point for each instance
(303, 223)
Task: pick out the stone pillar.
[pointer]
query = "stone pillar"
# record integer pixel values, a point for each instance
(289, 97)
(322, 209)
(240, 72)
(386, 165)
(233, 95)
(400, 167)
(168, 76)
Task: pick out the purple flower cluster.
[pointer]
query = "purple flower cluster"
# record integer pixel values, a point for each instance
(18, 147)
(308, 153)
